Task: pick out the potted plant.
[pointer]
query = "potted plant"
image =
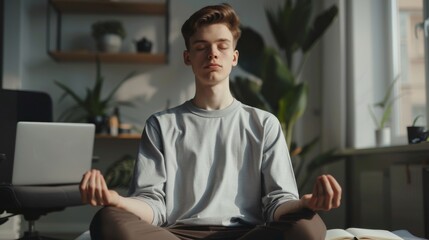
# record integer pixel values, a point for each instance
(416, 133)
(384, 107)
(108, 35)
(92, 108)
(278, 88)
(120, 172)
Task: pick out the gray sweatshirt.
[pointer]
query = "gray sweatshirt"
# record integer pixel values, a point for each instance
(225, 167)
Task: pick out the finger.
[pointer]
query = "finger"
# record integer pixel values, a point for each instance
(315, 190)
(99, 190)
(313, 202)
(91, 188)
(336, 201)
(320, 192)
(328, 193)
(83, 187)
(106, 192)
(315, 198)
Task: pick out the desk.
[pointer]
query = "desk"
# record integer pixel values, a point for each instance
(374, 159)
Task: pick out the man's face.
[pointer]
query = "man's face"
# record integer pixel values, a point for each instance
(211, 54)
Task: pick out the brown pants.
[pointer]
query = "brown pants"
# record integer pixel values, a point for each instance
(114, 224)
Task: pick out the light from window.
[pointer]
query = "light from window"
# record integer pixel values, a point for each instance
(412, 89)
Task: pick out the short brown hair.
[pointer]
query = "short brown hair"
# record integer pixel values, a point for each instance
(214, 14)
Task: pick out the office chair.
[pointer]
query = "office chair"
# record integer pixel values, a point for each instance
(30, 201)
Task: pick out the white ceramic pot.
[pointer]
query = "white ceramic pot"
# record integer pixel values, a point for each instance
(111, 43)
(382, 137)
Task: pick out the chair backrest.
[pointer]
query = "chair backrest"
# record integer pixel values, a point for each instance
(17, 105)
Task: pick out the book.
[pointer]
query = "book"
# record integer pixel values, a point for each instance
(406, 235)
(360, 233)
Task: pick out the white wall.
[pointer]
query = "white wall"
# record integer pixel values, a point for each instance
(29, 67)
(11, 49)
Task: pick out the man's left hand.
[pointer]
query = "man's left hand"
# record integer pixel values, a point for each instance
(325, 196)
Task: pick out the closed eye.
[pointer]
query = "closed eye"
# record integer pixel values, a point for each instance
(200, 47)
(223, 46)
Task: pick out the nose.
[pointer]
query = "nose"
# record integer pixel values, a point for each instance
(212, 53)
(212, 56)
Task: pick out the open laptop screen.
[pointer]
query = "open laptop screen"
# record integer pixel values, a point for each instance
(52, 153)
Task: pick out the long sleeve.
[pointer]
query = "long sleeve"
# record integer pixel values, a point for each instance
(278, 179)
(225, 167)
(150, 173)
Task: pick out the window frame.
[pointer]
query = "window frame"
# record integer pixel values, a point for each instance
(395, 67)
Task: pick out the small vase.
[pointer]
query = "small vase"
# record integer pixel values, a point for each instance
(144, 45)
(100, 122)
(382, 137)
(110, 43)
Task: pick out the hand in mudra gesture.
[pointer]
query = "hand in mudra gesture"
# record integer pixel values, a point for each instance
(94, 191)
(326, 194)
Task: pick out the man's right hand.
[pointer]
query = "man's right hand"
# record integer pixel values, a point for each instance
(93, 190)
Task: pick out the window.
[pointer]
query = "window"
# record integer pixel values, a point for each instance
(411, 86)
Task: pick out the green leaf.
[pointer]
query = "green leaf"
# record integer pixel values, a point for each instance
(125, 79)
(92, 104)
(98, 80)
(388, 93)
(248, 92)
(385, 105)
(292, 106)
(71, 114)
(251, 48)
(416, 119)
(119, 174)
(289, 25)
(309, 146)
(323, 159)
(277, 78)
(387, 112)
(320, 25)
(374, 118)
(68, 91)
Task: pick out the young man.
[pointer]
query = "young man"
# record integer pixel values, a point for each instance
(211, 167)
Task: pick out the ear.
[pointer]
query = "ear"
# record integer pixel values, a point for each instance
(235, 58)
(186, 57)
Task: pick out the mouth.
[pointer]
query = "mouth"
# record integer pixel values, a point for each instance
(213, 66)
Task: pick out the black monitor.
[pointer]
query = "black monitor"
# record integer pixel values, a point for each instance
(15, 106)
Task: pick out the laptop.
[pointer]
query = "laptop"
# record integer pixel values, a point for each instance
(50, 153)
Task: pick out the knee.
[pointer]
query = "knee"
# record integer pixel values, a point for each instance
(110, 223)
(303, 225)
(310, 229)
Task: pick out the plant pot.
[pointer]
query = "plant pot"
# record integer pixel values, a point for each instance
(100, 122)
(110, 43)
(144, 45)
(415, 134)
(382, 137)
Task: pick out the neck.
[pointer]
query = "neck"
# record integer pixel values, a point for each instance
(213, 98)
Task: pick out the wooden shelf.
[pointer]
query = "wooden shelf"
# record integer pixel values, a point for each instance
(108, 7)
(79, 56)
(94, 7)
(120, 136)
